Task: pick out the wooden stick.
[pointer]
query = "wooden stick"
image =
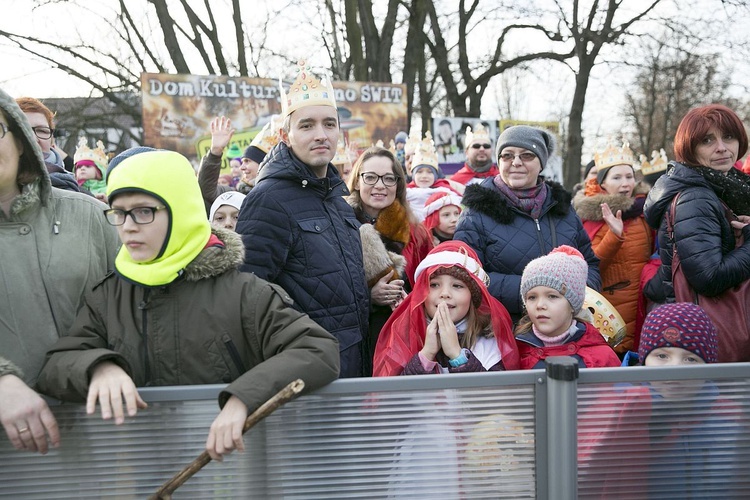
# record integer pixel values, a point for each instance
(281, 397)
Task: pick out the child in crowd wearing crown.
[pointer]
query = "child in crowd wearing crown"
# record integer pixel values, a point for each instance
(685, 430)
(442, 211)
(225, 209)
(449, 323)
(91, 168)
(553, 288)
(177, 310)
(426, 178)
(611, 209)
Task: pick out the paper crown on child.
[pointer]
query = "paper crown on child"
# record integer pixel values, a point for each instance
(98, 155)
(480, 133)
(425, 154)
(441, 199)
(306, 90)
(604, 317)
(413, 141)
(342, 156)
(658, 162)
(268, 136)
(563, 269)
(612, 155)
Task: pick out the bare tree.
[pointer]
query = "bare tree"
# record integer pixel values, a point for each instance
(672, 78)
(465, 76)
(590, 30)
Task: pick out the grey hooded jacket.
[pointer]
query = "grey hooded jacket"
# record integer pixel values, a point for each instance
(54, 245)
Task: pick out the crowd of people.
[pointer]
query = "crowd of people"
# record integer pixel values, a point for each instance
(141, 273)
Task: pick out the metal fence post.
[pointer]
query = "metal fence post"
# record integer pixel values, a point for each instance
(562, 458)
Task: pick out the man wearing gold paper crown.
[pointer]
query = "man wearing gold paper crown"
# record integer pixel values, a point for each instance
(479, 163)
(298, 230)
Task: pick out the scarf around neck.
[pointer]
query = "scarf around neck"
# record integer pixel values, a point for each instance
(530, 201)
(732, 188)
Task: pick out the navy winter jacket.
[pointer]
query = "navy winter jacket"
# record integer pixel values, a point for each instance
(705, 239)
(506, 239)
(301, 234)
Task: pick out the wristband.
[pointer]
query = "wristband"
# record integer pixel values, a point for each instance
(459, 360)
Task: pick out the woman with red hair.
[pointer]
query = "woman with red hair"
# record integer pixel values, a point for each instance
(711, 216)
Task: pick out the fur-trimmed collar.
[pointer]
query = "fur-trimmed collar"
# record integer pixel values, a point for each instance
(392, 222)
(213, 261)
(590, 207)
(487, 199)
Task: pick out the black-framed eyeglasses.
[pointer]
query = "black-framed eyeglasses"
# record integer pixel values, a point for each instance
(43, 133)
(525, 157)
(140, 215)
(371, 178)
(485, 146)
(3, 130)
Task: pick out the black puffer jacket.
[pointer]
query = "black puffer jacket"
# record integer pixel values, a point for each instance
(705, 239)
(506, 238)
(301, 234)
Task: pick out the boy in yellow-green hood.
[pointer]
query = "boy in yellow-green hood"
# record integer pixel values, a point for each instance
(177, 311)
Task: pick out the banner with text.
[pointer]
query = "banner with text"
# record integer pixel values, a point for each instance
(177, 110)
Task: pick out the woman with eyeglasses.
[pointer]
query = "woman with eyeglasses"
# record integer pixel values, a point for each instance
(393, 240)
(54, 245)
(177, 310)
(517, 216)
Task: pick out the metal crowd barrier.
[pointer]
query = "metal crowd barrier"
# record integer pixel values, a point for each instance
(560, 434)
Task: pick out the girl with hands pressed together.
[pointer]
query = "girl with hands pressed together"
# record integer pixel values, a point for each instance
(449, 323)
(177, 311)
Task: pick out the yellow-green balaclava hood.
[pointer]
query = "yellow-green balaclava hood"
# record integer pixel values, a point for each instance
(169, 177)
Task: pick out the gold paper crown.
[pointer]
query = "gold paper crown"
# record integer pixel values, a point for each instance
(479, 134)
(426, 154)
(97, 155)
(268, 136)
(658, 162)
(306, 90)
(413, 141)
(613, 155)
(342, 156)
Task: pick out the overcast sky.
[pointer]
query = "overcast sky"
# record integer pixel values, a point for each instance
(546, 94)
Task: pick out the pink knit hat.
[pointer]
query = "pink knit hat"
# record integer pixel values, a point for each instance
(563, 269)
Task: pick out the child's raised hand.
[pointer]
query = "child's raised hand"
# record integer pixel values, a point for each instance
(431, 341)
(221, 134)
(447, 331)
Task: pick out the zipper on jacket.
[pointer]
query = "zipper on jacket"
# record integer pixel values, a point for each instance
(539, 236)
(234, 354)
(143, 306)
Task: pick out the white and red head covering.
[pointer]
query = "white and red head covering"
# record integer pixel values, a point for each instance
(434, 203)
(403, 335)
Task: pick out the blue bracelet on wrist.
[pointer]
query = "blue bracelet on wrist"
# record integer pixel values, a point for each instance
(459, 360)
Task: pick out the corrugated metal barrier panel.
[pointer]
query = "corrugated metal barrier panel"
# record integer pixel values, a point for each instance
(664, 439)
(356, 440)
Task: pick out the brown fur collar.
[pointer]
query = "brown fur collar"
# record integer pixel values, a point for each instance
(393, 223)
(590, 207)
